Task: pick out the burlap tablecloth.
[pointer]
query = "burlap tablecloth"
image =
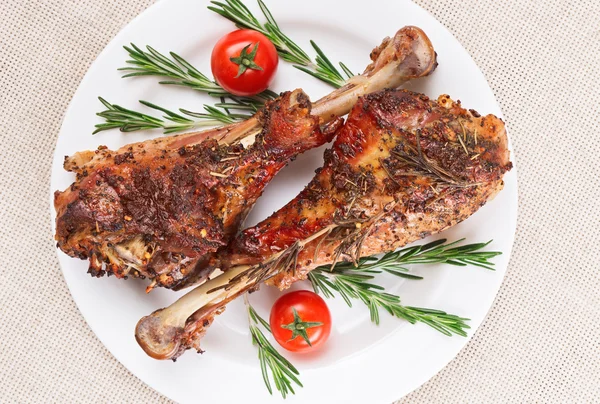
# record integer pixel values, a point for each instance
(541, 340)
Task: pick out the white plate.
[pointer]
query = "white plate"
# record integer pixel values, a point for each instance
(362, 363)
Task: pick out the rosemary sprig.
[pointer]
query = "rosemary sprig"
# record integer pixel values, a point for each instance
(282, 371)
(436, 252)
(352, 283)
(288, 50)
(422, 166)
(128, 120)
(242, 17)
(356, 282)
(324, 70)
(180, 72)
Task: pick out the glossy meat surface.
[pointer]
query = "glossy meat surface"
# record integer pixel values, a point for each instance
(156, 209)
(403, 167)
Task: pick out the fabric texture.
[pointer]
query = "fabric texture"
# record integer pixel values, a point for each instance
(541, 339)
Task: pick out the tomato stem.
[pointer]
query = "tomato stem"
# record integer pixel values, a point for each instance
(299, 327)
(246, 60)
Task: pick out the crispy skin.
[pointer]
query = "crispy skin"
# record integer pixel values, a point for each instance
(403, 167)
(156, 209)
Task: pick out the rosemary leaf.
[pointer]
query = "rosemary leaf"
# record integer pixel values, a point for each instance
(179, 72)
(128, 120)
(281, 370)
(356, 282)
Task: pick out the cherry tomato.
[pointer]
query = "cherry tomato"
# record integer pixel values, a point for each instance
(244, 62)
(300, 321)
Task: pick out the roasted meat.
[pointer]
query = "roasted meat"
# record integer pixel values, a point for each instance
(161, 209)
(156, 210)
(403, 167)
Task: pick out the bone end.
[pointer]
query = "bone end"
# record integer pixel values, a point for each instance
(426, 57)
(159, 340)
(410, 50)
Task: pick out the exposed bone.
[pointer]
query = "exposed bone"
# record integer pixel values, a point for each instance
(407, 56)
(161, 333)
(158, 334)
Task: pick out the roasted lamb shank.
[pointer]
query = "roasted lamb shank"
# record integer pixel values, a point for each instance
(403, 167)
(162, 208)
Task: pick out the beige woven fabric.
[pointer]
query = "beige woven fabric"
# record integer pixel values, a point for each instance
(541, 340)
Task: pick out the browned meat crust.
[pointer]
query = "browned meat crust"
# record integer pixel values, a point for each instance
(156, 209)
(402, 167)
